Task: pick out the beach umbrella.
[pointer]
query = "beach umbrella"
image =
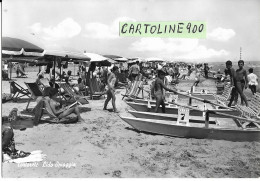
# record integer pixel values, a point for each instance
(116, 58)
(18, 50)
(154, 59)
(18, 47)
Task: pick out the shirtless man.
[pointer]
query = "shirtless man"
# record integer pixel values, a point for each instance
(242, 81)
(111, 89)
(158, 90)
(49, 94)
(233, 81)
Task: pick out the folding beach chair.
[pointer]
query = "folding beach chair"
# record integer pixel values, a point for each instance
(80, 99)
(94, 89)
(223, 98)
(252, 111)
(134, 89)
(18, 91)
(22, 73)
(35, 91)
(45, 82)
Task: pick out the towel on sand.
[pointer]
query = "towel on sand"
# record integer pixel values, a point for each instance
(35, 156)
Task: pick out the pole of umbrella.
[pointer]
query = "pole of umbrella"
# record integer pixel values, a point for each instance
(60, 84)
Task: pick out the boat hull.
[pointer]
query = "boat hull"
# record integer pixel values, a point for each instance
(174, 110)
(171, 129)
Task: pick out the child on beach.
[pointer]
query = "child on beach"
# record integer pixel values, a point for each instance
(252, 80)
(111, 81)
(158, 90)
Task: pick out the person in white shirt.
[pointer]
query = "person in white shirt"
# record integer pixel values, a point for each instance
(252, 80)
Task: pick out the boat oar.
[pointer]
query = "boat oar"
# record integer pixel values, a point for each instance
(204, 100)
(218, 113)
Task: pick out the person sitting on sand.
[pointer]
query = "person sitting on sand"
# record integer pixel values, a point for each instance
(49, 93)
(111, 81)
(80, 86)
(8, 144)
(158, 90)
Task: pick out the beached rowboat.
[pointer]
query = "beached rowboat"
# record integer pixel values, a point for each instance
(172, 109)
(222, 129)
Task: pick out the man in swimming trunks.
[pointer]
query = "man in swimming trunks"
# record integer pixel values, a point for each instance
(242, 81)
(111, 81)
(49, 94)
(158, 90)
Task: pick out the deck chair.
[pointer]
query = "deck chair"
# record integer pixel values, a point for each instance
(223, 98)
(45, 82)
(94, 89)
(35, 91)
(18, 91)
(23, 74)
(69, 91)
(134, 89)
(253, 109)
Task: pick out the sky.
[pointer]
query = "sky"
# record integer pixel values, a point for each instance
(93, 26)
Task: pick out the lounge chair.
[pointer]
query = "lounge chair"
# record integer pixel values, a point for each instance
(18, 91)
(80, 99)
(253, 109)
(35, 91)
(94, 89)
(23, 74)
(223, 98)
(134, 89)
(45, 82)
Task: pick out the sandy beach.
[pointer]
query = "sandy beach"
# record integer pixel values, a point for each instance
(104, 146)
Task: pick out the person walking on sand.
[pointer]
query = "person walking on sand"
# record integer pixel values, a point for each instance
(157, 88)
(197, 76)
(242, 81)
(252, 80)
(111, 81)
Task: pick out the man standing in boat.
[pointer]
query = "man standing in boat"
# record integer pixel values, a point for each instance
(158, 90)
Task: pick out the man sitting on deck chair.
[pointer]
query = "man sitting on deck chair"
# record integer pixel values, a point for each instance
(49, 93)
(158, 90)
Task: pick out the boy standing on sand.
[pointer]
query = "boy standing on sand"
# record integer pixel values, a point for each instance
(252, 80)
(242, 81)
(158, 90)
(111, 89)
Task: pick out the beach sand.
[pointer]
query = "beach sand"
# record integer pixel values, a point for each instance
(104, 146)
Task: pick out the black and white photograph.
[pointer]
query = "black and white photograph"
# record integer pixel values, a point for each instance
(130, 88)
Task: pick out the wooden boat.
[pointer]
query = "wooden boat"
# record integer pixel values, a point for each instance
(172, 109)
(225, 129)
(170, 117)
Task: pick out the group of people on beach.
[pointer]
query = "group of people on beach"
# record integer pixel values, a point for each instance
(240, 80)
